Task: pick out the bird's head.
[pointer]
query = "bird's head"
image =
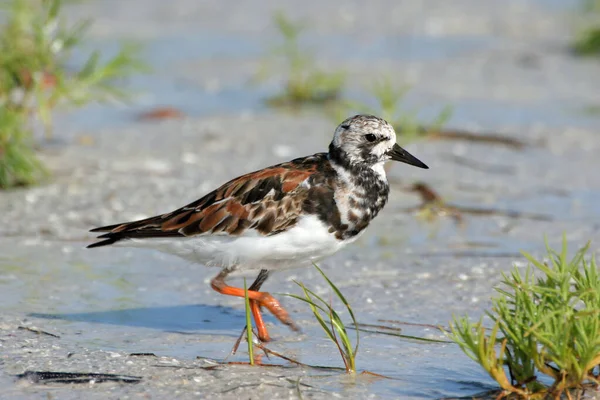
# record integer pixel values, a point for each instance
(368, 140)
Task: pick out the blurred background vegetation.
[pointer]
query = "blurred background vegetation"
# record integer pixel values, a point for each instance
(587, 42)
(38, 75)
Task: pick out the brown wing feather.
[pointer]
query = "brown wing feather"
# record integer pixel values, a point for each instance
(268, 201)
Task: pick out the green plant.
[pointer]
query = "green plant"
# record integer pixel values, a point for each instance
(332, 324)
(305, 83)
(592, 5)
(36, 46)
(18, 164)
(587, 41)
(389, 99)
(248, 325)
(546, 325)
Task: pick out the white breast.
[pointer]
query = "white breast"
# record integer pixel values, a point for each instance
(307, 242)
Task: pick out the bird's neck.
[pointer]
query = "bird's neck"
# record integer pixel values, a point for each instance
(364, 175)
(365, 188)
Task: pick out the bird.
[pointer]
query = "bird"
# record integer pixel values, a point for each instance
(284, 216)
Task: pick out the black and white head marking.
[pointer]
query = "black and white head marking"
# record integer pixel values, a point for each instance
(364, 139)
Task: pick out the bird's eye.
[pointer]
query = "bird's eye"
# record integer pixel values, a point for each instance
(370, 137)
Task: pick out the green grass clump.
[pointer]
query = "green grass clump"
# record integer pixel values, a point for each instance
(36, 47)
(389, 99)
(18, 164)
(332, 323)
(546, 327)
(305, 83)
(587, 41)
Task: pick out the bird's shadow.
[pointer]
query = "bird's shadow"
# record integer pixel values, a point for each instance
(193, 317)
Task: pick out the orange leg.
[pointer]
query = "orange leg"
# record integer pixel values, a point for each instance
(255, 307)
(257, 300)
(263, 333)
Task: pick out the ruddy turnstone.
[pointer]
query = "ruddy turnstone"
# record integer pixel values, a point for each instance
(283, 216)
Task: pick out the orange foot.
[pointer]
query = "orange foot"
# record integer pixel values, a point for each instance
(257, 300)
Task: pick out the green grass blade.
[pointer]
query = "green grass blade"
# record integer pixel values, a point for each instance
(315, 309)
(348, 307)
(248, 325)
(400, 335)
(334, 328)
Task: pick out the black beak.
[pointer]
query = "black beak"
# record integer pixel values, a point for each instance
(397, 153)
